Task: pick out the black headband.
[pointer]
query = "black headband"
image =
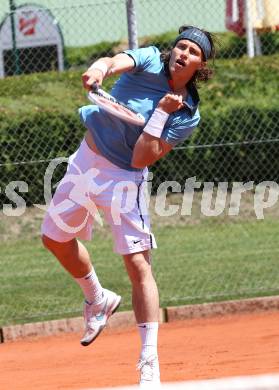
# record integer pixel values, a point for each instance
(197, 36)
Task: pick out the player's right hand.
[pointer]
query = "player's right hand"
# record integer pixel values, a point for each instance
(170, 103)
(92, 76)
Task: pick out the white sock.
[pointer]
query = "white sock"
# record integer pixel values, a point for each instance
(149, 338)
(91, 288)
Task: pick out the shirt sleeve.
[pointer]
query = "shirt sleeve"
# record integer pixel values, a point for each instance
(178, 130)
(144, 58)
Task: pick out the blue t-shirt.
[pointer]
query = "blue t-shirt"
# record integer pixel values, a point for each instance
(140, 89)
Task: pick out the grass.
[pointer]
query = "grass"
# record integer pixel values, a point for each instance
(213, 262)
(209, 261)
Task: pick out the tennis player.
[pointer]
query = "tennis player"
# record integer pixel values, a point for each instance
(111, 163)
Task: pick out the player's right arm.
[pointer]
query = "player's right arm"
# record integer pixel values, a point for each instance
(106, 67)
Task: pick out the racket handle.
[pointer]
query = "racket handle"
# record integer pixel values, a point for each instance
(95, 87)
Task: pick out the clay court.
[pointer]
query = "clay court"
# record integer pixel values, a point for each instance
(237, 345)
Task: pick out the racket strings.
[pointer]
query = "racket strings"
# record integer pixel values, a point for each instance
(121, 104)
(115, 107)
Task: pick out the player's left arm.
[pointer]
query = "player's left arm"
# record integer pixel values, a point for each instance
(148, 150)
(151, 146)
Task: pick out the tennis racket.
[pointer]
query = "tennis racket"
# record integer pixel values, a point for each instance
(109, 104)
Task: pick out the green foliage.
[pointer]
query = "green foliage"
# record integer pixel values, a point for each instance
(84, 56)
(38, 136)
(162, 41)
(236, 152)
(239, 108)
(228, 44)
(270, 42)
(39, 121)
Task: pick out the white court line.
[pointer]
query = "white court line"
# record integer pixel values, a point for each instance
(263, 382)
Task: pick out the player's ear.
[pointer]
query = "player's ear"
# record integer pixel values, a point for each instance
(203, 65)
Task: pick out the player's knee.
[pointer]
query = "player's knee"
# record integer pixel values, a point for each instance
(48, 243)
(54, 246)
(138, 268)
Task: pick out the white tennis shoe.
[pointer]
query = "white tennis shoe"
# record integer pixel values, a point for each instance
(96, 316)
(149, 373)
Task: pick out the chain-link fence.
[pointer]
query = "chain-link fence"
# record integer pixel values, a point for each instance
(45, 49)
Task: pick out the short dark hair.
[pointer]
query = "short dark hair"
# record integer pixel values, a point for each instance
(202, 74)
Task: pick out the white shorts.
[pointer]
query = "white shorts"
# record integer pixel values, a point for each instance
(92, 183)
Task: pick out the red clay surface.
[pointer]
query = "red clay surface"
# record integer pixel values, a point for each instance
(189, 350)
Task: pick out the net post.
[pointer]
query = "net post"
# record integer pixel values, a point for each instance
(132, 24)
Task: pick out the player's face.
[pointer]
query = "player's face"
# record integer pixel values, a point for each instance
(186, 58)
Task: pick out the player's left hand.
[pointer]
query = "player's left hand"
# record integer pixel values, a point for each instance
(170, 103)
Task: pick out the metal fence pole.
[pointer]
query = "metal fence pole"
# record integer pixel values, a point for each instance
(249, 29)
(15, 50)
(132, 24)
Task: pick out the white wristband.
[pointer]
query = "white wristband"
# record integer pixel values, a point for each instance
(156, 123)
(100, 65)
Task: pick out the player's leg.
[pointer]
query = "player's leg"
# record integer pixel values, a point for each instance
(145, 301)
(145, 296)
(71, 215)
(133, 242)
(133, 239)
(72, 255)
(99, 303)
